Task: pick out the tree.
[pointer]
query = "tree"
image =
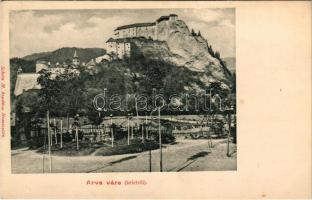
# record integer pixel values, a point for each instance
(96, 118)
(61, 94)
(215, 89)
(193, 32)
(70, 98)
(49, 92)
(217, 55)
(210, 51)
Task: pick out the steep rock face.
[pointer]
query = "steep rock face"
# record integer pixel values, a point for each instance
(156, 50)
(177, 45)
(159, 50)
(194, 49)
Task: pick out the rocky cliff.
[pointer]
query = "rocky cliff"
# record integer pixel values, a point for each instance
(177, 45)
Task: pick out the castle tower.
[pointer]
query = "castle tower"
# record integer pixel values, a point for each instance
(173, 17)
(76, 61)
(20, 70)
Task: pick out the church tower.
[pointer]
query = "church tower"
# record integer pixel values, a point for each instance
(76, 61)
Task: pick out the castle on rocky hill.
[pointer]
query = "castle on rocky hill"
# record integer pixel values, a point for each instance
(121, 47)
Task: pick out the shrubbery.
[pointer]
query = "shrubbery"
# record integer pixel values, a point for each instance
(166, 138)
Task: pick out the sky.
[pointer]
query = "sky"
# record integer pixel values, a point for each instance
(34, 31)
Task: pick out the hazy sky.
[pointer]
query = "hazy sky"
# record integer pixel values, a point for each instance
(34, 31)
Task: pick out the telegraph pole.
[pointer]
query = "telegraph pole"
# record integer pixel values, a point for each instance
(128, 129)
(160, 147)
(76, 123)
(143, 132)
(228, 135)
(112, 128)
(49, 141)
(55, 132)
(150, 156)
(77, 138)
(62, 133)
(146, 126)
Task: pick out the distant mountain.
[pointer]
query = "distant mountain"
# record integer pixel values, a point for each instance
(62, 54)
(230, 63)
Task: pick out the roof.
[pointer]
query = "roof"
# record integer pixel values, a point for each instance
(162, 18)
(75, 54)
(110, 40)
(104, 57)
(119, 40)
(26, 81)
(135, 25)
(91, 63)
(41, 61)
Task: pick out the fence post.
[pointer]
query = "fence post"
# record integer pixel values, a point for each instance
(128, 130)
(150, 156)
(67, 118)
(228, 135)
(61, 133)
(77, 139)
(55, 132)
(112, 136)
(142, 132)
(146, 127)
(51, 135)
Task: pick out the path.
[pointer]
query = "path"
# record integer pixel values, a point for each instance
(187, 155)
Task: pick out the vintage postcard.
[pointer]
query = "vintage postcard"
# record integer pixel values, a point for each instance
(145, 92)
(155, 100)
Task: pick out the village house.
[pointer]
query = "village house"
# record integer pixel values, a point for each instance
(28, 81)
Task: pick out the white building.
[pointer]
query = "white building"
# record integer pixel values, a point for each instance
(28, 81)
(119, 47)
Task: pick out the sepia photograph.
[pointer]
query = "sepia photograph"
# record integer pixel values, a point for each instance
(126, 90)
(155, 99)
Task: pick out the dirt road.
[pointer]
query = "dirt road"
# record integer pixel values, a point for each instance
(186, 155)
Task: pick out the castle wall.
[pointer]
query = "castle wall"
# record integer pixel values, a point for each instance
(127, 49)
(129, 32)
(145, 31)
(148, 31)
(123, 50)
(111, 47)
(158, 31)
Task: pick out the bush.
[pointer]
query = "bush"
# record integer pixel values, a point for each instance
(136, 146)
(35, 142)
(67, 137)
(166, 138)
(218, 128)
